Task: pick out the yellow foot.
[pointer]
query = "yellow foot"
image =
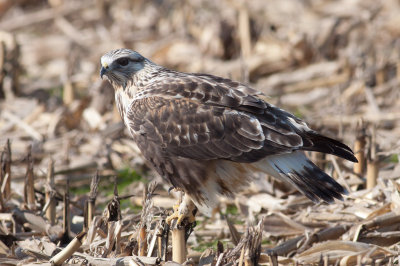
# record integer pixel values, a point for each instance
(174, 215)
(186, 210)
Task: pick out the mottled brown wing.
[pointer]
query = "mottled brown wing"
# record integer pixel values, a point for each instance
(191, 129)
(213, 117)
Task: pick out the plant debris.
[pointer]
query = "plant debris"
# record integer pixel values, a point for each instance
(76, 190)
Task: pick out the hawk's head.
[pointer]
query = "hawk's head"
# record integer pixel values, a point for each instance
(120, 66)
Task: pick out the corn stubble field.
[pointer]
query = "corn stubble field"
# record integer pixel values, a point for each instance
(76, 190)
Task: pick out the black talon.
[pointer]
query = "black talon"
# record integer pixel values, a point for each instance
(170, 189)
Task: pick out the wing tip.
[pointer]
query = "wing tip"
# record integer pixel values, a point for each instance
(353, 158)
(328, 145)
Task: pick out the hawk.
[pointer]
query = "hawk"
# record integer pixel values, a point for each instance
(207, 135)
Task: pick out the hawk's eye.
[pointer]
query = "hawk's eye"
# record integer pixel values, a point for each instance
(123, 61)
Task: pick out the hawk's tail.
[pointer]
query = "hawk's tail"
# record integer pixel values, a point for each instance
(299, 171)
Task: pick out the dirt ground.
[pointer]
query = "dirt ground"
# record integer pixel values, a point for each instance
(72, 180)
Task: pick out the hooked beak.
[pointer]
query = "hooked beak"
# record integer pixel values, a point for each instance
(103, 71)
